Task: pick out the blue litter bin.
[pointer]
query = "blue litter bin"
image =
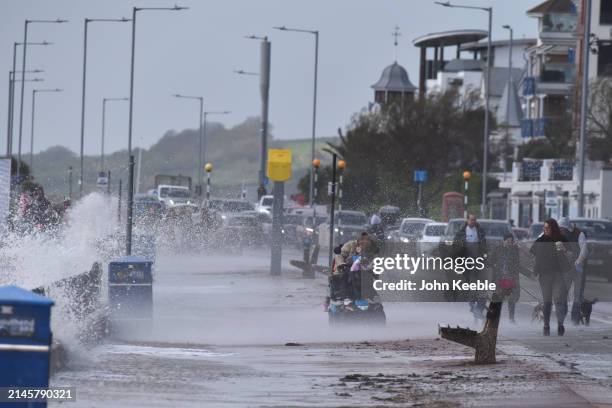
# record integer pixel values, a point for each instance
(130, 288)
(25, 340)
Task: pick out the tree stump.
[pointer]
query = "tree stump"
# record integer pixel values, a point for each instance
(483, 343)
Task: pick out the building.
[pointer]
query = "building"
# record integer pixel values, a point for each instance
(393, 86)
(539, 189)
(600, 63)
(551, 67)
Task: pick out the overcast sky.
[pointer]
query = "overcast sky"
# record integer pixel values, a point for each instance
(195, 52)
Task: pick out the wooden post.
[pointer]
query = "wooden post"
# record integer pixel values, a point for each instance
(483, 343)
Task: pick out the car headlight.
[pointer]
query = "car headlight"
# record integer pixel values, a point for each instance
(405, 240)
(171, 202)
(309, 230)
(448, 242)
(341, 232)
(336, 229)
(223, 217)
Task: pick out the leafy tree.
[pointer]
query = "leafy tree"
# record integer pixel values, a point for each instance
(600, 119)
(441, 134)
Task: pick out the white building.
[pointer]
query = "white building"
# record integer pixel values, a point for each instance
(539, 189)
(600, 63)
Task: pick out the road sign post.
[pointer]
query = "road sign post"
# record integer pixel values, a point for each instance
(420, 177)
(279, 170)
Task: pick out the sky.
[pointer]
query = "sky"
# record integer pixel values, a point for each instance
(195, 51)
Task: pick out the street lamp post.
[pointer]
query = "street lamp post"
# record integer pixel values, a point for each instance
(104, 127)
(314, 102)
(507, 27)
(23, 69)
(202, 148)
(34, 92)
(264, 85)
(87, 21)
(583, 105)
(11, 102)
(11, 107)
(200, 162)
(485, 159)
(130, 195)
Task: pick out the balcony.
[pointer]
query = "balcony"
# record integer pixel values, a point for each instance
(557, 73)
(559, 23)
(559, 28)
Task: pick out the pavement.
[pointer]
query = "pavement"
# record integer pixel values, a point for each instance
(227, 334)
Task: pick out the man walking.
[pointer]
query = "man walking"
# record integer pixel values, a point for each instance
(578, 253)
(470, 242)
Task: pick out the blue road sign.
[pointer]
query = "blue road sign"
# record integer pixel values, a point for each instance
(420, 176)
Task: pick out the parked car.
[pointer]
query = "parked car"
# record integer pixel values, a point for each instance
(411, 228)
(264, 219)
(390, 216)
(290, 223)
(265, 204)
(226, 207)
(241, 230)
(430, 238)
(535, 230)
(494, 233)
(147, 208)
(520, 234)
(306, 233)
(348, 225)
(599, 239)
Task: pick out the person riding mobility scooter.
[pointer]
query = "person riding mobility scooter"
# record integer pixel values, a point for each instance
(352, 298)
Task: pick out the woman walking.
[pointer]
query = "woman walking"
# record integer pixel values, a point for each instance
(550, 267)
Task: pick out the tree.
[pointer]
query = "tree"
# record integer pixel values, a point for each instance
(559, 141)
(441, 134)
(600, 119)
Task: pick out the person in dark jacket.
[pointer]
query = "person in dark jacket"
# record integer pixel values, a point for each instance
(470, 242)
(506, 267)
(578, 253)
(550, 268)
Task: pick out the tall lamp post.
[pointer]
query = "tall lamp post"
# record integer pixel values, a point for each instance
(23, 69)
(264, 86)
(104, 101)
(509, 28)
(11, 107)
(130, 195)
(314, 102)
(583, 104)
(485, 158)
(34, 92)
(87, 21)
(200, 162)
(11, 103)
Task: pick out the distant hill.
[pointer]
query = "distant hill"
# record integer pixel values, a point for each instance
(234, 153)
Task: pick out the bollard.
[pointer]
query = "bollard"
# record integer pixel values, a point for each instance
(25, 341)
(130, 289)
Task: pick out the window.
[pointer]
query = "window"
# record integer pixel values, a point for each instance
(604, 58)
(605, 12)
